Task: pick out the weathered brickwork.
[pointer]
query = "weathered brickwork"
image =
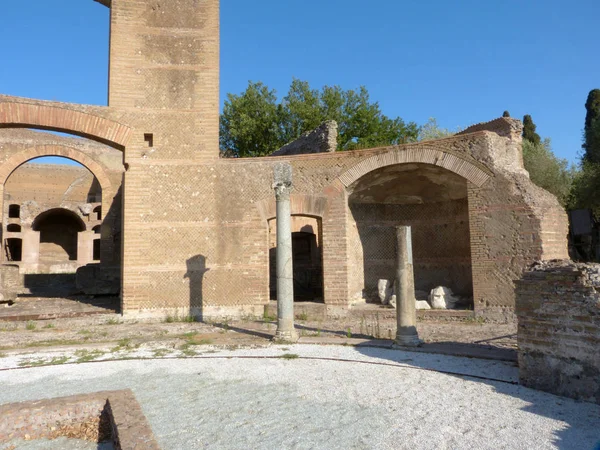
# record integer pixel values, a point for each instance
(195, 228)
(558, 307)
(320, 140)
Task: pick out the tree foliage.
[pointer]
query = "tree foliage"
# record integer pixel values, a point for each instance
(591, 130)
(529, 132)
(505, 114)
(431, 130)
(547, 171)
(254, 123)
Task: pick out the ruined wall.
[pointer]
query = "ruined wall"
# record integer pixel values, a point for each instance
(513, 222)
(558, 307)
(195, 228)
(322, 139)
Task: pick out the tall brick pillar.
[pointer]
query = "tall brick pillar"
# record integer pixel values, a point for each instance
(164, 77)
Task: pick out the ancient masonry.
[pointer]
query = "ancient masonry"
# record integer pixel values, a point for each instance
(558, 307)
(186, 230)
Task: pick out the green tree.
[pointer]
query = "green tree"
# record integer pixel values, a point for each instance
(254, 124)
(586, 186)
(547, 171)
(249, 124)
(505, 114)
(591, 130)
(529, 130)
(431, 130)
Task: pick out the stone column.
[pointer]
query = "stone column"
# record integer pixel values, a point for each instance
(406, 313)
(285, 274)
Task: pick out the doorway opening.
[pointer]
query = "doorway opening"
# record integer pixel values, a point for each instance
(307, 258)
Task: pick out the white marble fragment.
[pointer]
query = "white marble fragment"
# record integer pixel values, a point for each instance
(442, 297)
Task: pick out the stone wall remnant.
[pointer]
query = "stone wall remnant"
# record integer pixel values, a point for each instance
(322, 139)
(11, 283)
(558, 307)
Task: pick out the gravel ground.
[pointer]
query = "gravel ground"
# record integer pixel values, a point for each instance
(328, 397)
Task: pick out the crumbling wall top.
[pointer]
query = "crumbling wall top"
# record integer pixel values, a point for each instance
(502, 126)
(322, 139)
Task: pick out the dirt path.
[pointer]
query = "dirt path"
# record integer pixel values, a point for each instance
(28, 336)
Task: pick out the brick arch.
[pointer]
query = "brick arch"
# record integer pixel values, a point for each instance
(300, 205)
(18, 159)
(473, 172)
(62, 210)
(45, 117)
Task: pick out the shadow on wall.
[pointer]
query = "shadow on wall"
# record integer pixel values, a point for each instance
(111, 231)
(574, 435)
(49, 285)
(196, 268)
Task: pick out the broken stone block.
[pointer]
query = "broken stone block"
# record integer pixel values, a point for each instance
(442, 297)
(422, 304)
(384, 290)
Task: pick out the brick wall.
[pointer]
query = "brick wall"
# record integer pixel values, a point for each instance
(558, 307)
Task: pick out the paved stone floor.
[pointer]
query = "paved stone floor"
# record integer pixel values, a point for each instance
(310, 396)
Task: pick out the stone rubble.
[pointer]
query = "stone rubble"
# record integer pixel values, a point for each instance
(387, 295)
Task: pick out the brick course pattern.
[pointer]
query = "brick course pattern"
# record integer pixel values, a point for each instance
(558, 307)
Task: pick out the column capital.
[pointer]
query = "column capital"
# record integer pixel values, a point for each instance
(282, 191)
(282, 181)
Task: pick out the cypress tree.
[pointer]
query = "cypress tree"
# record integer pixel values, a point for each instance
(529, 130)
(591, 130)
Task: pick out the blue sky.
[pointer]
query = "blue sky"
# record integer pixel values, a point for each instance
(462, 62)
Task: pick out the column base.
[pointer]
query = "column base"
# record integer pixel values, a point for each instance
(286, 337)
(408, 341)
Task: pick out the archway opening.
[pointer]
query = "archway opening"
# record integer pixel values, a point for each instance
(59, 229)
(307, 258)
(58, 201)
(433, 201)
